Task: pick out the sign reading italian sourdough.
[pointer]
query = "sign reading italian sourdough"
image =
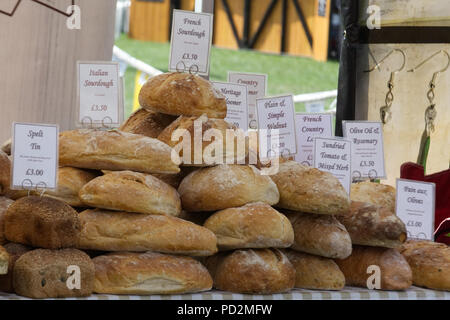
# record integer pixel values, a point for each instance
(334, 155)
(99, 94)
(190, 43)
(257, 88)
(309, 126)
(276, 126)
(367, 150)
(237, 107)
(35, 156)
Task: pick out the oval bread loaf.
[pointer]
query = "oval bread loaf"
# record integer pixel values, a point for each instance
(226, 186)
(254, 225)
(374, 193)
(182, 94)
(147, 123)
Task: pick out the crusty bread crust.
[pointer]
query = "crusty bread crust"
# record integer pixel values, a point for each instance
(4, 261)
(378, 194)
(147, 123)
(15, 251)
(4, 204)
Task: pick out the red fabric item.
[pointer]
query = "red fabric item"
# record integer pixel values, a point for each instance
(413, 171)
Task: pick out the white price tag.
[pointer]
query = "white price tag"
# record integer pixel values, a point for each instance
(35, 156)
(315, 106)
(367, 151)
(334, 155)
(99, 94)
(415, 206)
(190, 43)
(276, 123)
(257, 88)
(237, 108)
(308, 127)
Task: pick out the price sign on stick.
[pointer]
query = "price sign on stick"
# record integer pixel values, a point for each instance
(334, 155)
(257, 88)
(190, 43)
(35, 156)
(237, 107)
(415, 206)
(99, 94)
(367, 151)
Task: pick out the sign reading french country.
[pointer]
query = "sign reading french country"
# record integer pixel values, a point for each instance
(310, 126)
(237, 107)
(367, 150)
(276, 123)
(334, 155)
(35, 156)
(257, 88)
(190, 42)
(99, 94)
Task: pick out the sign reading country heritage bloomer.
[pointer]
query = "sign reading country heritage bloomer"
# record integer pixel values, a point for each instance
(237, 106)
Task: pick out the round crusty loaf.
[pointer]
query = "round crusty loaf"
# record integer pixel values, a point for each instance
(255, 225)
(374, 193)
(226, 186)
(4, 204)
(253, 271)
(147, 123)
(214, 135)
(15, 251)
(314, 272)
(133, 192)
(149, 273)
(182, 94)
(310, 190)
(43, 274)
(322, 235)
(42, 222)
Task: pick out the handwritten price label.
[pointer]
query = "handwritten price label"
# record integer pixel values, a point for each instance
(35, 156)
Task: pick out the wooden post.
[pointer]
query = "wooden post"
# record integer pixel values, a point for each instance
(38, 55)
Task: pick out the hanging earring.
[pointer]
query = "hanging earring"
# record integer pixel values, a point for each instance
(430, 112)
(385, 111)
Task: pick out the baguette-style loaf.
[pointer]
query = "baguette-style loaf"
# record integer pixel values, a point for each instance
(314, 272)
(149, 273)
(115, 150)
(322, 235)
(310, 190)
(42, 222)
(123, 231)
(4, 261)
(378, 194)
(430, 263)
(182, 94)
(254, 225)
(133, 192)
(375, 226)
(15, 251)
(233, 149)
(395, 273)
(44, 273)
(252, 271)
(226, 186)
(4, 204)
(147, 123)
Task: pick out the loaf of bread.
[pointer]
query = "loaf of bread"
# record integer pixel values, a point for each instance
(213, 134)
(254, 225)
(124, 231)
(115, 150)
(429, 262)
(226, 186)
(371, 225)
(182, 94)
(147, 123)
(15, 251)
(6, 147)
(314, 272)
(4, 261)
(42, 222)
(321, 235)
(395, 273)
(45, 273)
(374, 193)
(149, 273)
(133, 192)
(252, 271)
(4, 204)
(310, 190)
